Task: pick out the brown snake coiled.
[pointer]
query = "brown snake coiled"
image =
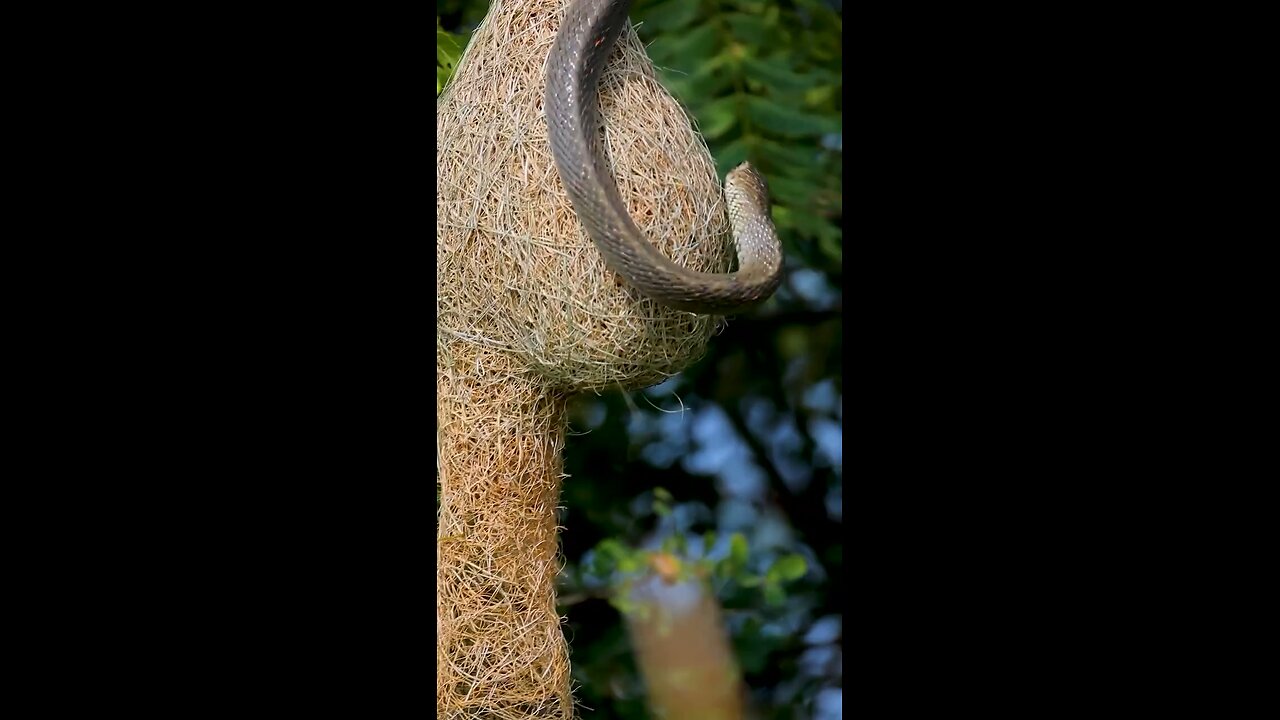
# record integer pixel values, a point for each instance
(577, 58)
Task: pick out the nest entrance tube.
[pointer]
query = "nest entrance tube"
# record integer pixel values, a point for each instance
(527, 312)
(500, 652)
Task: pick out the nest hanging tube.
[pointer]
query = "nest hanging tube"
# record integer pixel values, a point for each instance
(527, 314)
(500, 652)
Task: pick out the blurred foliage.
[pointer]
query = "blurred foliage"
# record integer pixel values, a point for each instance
(749, 439)
(613, 568)
(448, 52)
(763, 79)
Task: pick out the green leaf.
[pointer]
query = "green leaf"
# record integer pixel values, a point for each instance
(750, 581)
(789, 567)
(777, 74)
(791, 154)
(789, 121)
(823, 15)
(790, 192)
(664, 17)
(629, 563)
(749, 30)
(752, 647)
(793, 341)
(731, 155)
(738, 550)
(832, 248)
(774, 595)
(823, 95)
(718, 117)
(661, 502)
(611, 549)
(805, 223)
(448, 49)
(685, 51)
(783, 217)
(448, 53)
(771, 15)
(709, 80)
(624, 604)
(603, 564)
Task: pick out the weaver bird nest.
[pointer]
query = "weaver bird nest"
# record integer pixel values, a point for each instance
(515, 269)
(528, 312)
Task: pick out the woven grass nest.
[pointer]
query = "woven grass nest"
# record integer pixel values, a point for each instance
(515, 269)
(528, 313)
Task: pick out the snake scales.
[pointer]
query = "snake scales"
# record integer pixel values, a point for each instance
(582, 45)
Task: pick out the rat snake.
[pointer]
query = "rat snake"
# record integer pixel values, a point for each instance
(582, 45)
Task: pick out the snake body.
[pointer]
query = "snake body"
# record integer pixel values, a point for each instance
(587, 34)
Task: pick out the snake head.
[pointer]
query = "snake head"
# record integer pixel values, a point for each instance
(745, 178)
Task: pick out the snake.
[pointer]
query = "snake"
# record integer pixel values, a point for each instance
(582, 45)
